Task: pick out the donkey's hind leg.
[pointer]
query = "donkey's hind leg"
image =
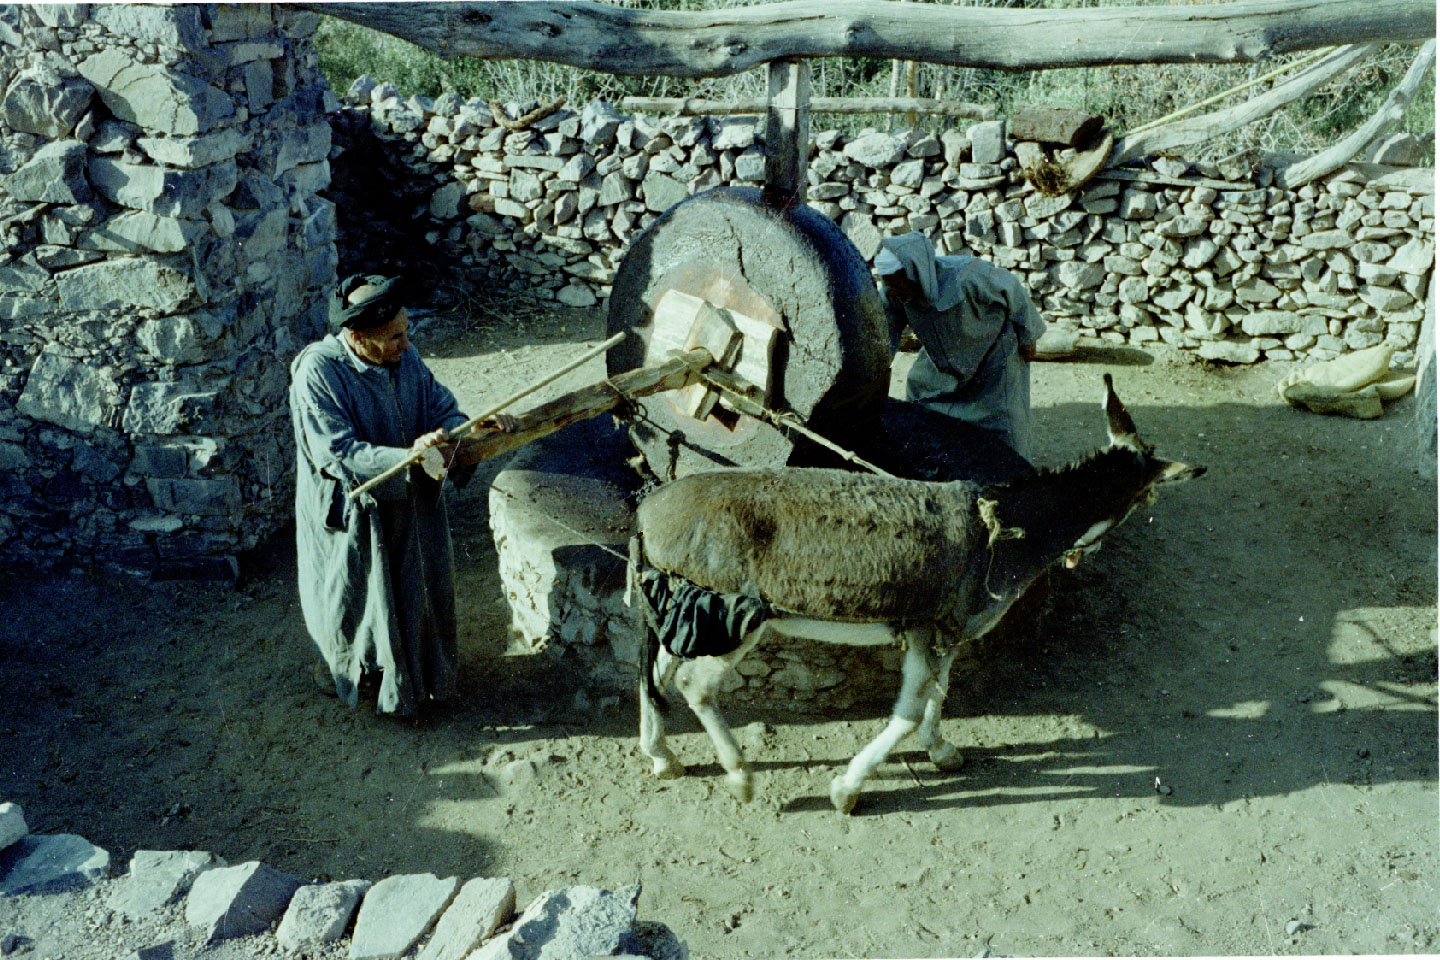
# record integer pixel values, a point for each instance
(909, 709)
(699, 680)
(943, 753)
(664, 764)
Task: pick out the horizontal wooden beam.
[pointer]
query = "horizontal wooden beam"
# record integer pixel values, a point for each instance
(585, 403)
(718, 43)
(694, 107)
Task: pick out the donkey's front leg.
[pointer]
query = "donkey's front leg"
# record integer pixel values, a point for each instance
(699, 680)
(943, 753)
(664, 764)
(908, 711)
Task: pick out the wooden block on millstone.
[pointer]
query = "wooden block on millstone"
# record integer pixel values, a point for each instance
(716, 332)
(677, 314)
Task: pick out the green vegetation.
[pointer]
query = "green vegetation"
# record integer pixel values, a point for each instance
(1128, 95)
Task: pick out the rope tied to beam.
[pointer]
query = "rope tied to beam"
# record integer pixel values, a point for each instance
(780, 419)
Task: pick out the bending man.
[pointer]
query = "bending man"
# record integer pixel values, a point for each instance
(977, 328)
(376, 573)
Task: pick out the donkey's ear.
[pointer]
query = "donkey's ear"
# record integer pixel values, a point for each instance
(1118, 422)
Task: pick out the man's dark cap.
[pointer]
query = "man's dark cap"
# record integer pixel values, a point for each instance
(377, 309)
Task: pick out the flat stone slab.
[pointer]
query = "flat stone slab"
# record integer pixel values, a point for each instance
(238, 901)
(397, 912)
(475, 914)
(571, 923)
(12, 824)
(320, 913)
(159, 878)
(50, 863)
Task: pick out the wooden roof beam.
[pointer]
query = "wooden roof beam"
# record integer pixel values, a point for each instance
(717, 43)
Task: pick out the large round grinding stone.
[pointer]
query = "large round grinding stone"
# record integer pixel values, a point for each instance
(793, 269)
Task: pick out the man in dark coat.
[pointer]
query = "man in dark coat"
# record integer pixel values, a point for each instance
(376, 572)
(977, 327)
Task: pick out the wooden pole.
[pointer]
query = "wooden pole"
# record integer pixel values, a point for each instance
(735, 393)
(787, 133)
(1188, 129)
(469, 425)
(1389, 114)
(894, 90)
(640, 41)
(912, 89)
(674, 374)
(695, 107)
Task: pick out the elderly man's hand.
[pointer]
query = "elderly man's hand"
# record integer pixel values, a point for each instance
(432, 439)
(434, 449)
(504, 422)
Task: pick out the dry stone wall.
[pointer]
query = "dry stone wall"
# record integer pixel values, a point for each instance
(166, 251)
(1211, 258)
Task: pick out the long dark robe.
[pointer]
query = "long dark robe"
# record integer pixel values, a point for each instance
(975, 320)
(377, 573)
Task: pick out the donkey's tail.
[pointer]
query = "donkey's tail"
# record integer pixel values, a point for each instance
(651, 650)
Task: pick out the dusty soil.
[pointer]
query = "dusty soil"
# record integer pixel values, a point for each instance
(1222, 739)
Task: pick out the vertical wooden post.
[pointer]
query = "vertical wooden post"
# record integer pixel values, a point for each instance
(787, 132)
(912, 89)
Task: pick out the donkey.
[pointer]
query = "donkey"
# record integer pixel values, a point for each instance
(864, 560)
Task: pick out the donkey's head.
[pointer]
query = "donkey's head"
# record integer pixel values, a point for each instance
(1134, 480)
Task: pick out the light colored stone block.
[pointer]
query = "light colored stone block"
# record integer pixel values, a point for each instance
(397, 912)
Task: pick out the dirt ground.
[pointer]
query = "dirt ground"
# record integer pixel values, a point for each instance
(1223, 740)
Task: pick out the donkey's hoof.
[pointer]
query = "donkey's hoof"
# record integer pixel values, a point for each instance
(667, 768)
(947, 756)
(742, 785)
(842, 796)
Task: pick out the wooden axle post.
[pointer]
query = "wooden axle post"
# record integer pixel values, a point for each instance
(787, 133)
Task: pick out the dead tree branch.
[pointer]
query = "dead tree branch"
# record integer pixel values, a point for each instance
(1207, 126)
(1389, 114)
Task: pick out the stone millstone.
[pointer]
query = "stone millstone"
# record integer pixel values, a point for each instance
(238, 901)
(50, 863)
(793, 269)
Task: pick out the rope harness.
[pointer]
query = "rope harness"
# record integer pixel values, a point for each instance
(990, 518)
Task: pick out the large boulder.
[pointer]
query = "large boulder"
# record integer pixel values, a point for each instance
(154, 96)
(161, 190)
(66, 392)
(42, 102)
(55, 174)
(165, 285)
